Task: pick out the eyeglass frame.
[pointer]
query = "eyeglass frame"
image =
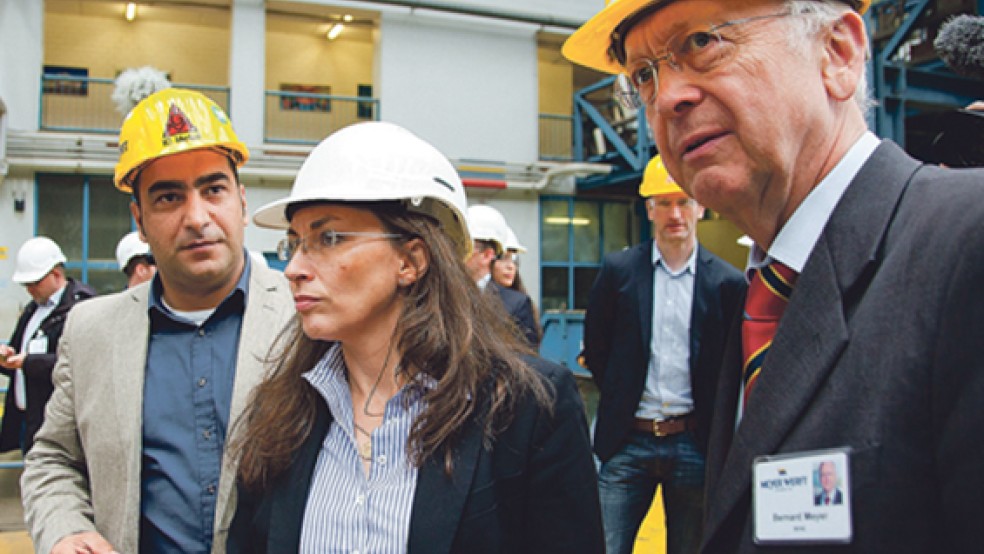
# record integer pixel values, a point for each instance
(327, 239)
(665, 204)
(629, 94)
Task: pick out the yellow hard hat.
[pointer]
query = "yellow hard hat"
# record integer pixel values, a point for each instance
(168, 122)
(656, 180)
(590, 44)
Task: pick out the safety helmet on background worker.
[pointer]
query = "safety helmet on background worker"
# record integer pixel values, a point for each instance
(129, 247)
(656, 180)
(590, 45)
(35, 259)
(377, 161)
(512, 243)
(486, 223)
(168, 122)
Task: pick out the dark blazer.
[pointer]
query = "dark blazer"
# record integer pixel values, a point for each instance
(837, 499)
(618, 328)
(879, 350)
(533, 490)
(520, 308)
(37, 368)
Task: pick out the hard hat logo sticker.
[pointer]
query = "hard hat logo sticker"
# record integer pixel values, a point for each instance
(179, 127)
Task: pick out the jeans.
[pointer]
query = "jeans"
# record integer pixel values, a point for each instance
(627, 484)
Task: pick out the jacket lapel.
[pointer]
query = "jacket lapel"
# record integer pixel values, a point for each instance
(704, 294)
(439, 499)
(290, 500)
(128, 365)
(643, 272)
(814, 329)
(259, 329)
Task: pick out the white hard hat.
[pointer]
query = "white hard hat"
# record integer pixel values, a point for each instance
(512, 243)
(486, 223)
(35, 259)
(129, 246)
(376, 161)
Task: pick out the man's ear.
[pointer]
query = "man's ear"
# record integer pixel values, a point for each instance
(414, 262)
(135, 212)
(242, 197)
(844, 51)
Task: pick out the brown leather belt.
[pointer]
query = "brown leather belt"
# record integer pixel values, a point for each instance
(666, 427)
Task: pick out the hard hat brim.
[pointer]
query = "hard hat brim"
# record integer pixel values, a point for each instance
(589, 45)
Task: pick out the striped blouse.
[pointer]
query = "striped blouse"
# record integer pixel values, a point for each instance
(346, 511)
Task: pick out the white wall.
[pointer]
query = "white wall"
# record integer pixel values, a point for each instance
(20, 61)
(15, 228)
(468, 86)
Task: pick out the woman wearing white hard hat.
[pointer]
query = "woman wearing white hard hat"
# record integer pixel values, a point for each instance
(505, 272)
(397, 416)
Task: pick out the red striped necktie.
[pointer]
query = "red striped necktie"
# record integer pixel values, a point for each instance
(768, 294)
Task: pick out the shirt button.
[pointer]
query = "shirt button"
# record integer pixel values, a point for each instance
(359, 499)
(201, 332)
(202, 382)
(211, 489)
(207, 434)
(381, 460)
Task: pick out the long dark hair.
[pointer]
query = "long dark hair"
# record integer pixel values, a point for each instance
(448, 330)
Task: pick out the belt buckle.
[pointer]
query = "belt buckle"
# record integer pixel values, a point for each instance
(656, 430)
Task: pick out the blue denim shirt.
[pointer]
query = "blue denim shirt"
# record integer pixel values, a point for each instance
(187, 397)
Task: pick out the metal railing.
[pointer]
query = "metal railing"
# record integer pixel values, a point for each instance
(84, 104)
(306, 118)
(556, 137)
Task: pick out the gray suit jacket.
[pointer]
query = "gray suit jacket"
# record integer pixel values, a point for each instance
(83, 473)
(879, 350)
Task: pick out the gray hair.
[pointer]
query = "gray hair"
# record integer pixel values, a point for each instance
(812, 16)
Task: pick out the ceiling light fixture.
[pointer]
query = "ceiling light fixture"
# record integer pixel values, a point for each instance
(347, 18)
(130, 13)
(334, 31)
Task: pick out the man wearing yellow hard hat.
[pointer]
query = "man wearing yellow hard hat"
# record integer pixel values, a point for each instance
(653, 330)
(859, 341)
(150, 380)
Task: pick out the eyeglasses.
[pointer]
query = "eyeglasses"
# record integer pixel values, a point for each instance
(700, 51)
(324, 240)
(667, 204)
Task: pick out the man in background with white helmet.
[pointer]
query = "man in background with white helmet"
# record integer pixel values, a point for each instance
(861, 331)
(490, 232)
(653, 341)
(134, 258)
(150, 380)
(30, 356)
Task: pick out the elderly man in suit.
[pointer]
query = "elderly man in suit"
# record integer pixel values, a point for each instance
(863, 316)
(149, 381)
(653, 336)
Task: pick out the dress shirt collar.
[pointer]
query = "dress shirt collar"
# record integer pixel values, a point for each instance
(55, 298)
(484, 281)
(689, 266)
(156, 296)
(795, 241)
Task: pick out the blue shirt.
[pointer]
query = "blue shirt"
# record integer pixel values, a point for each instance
(188, 386)
(668, 392)
(346, 511)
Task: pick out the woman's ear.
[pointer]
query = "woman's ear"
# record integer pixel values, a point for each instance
(413, 263)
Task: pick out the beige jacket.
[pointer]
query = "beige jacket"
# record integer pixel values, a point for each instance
(83, 473)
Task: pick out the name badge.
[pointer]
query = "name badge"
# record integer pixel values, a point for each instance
(802, 498)
(38, 345)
